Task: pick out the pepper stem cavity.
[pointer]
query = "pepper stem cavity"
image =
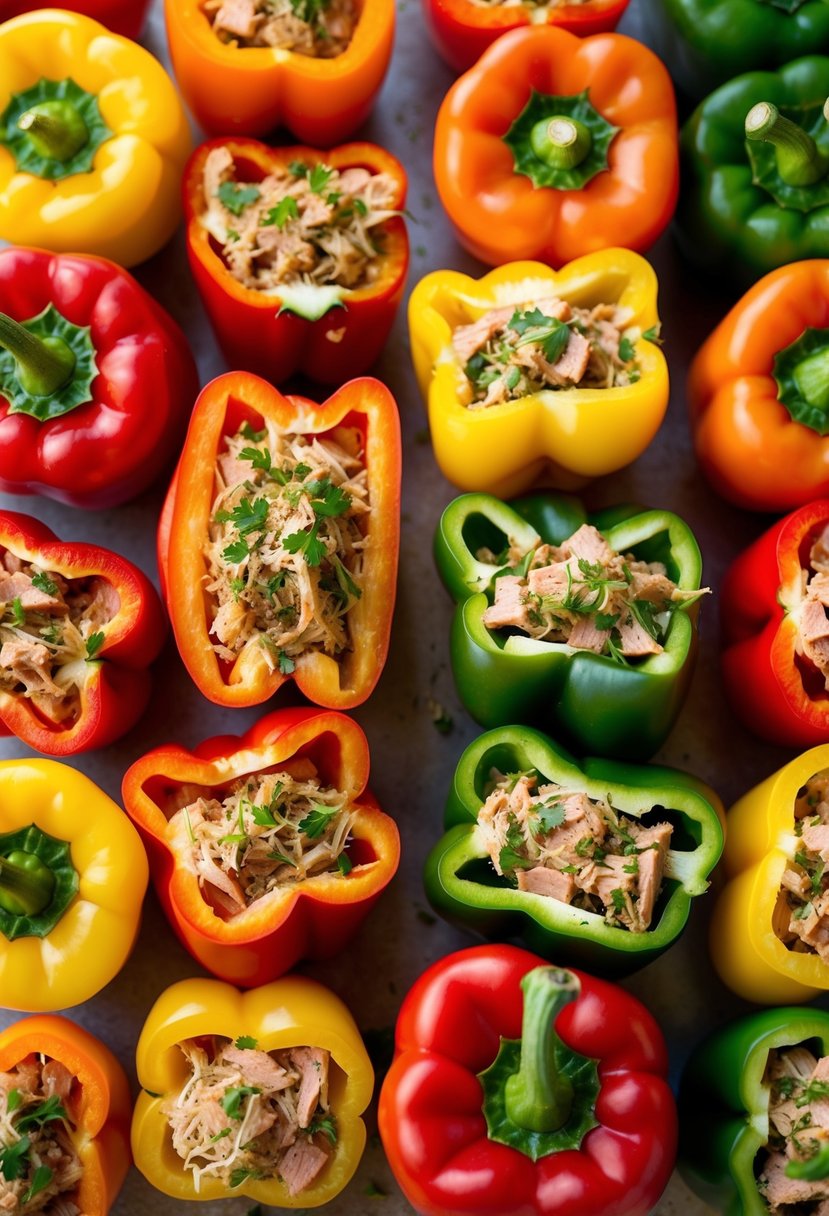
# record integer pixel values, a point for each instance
(56, 129)
(26, 884)
(561, 142)
(43, 365)
(799, 160)
(539, 1096)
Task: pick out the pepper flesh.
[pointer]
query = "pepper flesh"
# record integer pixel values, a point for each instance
(125, 17)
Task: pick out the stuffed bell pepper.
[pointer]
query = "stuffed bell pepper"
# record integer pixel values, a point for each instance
(756, 162)
(754, 1118)
(73, 874)
(125, 17)
(93, 140)
(300, 256)
(594, 863)
(64, 1120)
(524, 1088)
(584, 624)
(268, 848)
(278, 541)
(256, 1095)
(313, 66)
(554, 146)
(533, 374)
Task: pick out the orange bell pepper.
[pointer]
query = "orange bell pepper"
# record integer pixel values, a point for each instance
(252, 90)
(592, 124)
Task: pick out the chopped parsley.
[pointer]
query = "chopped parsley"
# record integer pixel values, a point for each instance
(286, 209)
(236, 197)
(93, 644)
(316, 821)
(45, 584)
(233, 1098)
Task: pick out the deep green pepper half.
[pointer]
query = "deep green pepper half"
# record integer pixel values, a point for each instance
(596, 703)
(723, 1104)
(464, 887)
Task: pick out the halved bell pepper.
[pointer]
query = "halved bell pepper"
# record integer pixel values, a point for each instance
(236, 90)
(125, 17)
(463, 886)
(99, 1108)
(330, 334)
(724, 1105)
(290, 1012)
(93, 139)
(523, 1088)
(564, 436)
(771, 687)
(311, 919)
(554, 146)
(224, 405)
(591, 701)
(73, 874)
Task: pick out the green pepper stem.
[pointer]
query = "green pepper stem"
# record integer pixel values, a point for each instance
(56, 129)
(539, 1097)
(812, 379)
(799, 160)
(561, 142)
(26, 884)
(43, 364)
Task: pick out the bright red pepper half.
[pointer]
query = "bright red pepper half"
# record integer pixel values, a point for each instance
(125, 17)
(456, 1127)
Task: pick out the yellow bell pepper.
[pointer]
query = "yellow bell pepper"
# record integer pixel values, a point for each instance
(564, 437)
(746, 952)
(93, 140)
(291, 1012)
(73, 873)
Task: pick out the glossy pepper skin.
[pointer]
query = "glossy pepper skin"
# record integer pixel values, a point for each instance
(746, 952)
(290, 1012)
(434, 1130)
(499, 214)
(125, 17)
(764, 677)
(100, 1111)
(117, 681)
(563, 436)
(221, 409)
(126, 205)
(722, 1090)
(103, 442)
(552, 928)
(63, 938)
(252, 90)
(312, 919)
(590, 701)
(276, 337)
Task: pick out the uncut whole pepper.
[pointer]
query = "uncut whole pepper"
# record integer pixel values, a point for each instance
(125, 17)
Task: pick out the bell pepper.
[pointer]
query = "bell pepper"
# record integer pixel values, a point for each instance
(722, 1091)
(331, 334)
(462, 30)
(313, 919)
(527, 1089)
(756, 155)
(591, 701)
(290, 1012)
(72, 877)
(554, 146)
(96, 380)
(93, 139)
(463, 886)
(223, 406)
(114, 682)
(746, 952)
(773, 689)
(125, 17)
(252, 90)
(565, 436)
(99, 1109)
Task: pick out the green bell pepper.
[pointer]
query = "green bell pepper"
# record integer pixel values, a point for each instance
(463, 886)
(595, 702)
(723, 1104)
(756, 173)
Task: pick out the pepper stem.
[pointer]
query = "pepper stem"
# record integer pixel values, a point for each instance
(56, 129)
(811, 376)
(539, 1097)
(43, 364)
(26, 884)
(799, 160)
(561, 142)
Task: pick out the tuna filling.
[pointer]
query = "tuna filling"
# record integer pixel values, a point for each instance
(321, 28)
(801, 915)
(247, 1114)
(559, 843)
(39, 1166)
(798, 1086)
(812, 620)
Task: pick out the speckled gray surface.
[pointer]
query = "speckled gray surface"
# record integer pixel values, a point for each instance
(412, 762)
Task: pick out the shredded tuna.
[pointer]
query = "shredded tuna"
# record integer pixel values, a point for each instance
(798, 1085)
(321, 28)
(812, 641)
(801, 916)
(39, 1165)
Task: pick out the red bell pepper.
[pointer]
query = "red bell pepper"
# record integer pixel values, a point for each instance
(774, 689)
(520, 1088)
(96, 380)
(314, 918)
(261, 332)
(107, 658)
(125, 17)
